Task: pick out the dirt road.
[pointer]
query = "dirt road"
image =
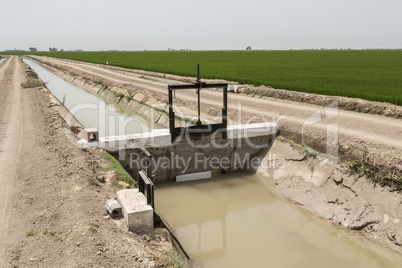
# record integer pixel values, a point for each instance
(10, 133)
(362, 137)
(52, 193)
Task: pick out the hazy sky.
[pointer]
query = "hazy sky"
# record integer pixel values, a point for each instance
(199, 25)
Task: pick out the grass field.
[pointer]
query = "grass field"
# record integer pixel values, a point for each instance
(369, 74)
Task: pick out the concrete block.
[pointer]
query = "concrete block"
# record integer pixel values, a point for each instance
(136, 212)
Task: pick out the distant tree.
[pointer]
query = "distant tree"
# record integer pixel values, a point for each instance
(248, 48)
(33, 49)
(52, 49)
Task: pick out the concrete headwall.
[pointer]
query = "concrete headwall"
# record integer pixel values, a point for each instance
(244, 149)
(183, 158)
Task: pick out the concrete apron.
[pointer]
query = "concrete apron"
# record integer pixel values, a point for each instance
(244, 149)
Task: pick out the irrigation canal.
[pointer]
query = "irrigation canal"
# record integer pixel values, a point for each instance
(232, 220)
(90, 110)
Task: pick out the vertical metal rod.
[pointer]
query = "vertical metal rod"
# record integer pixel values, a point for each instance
(225, 113)
(198, 93)
(149, 167)
(171, 117)
(149, 194)
(141, 186)
(199, 109)
(153, 196)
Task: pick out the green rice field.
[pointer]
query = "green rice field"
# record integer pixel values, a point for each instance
(368, 74)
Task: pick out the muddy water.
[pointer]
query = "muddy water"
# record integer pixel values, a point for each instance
(234, 220)
(90, 110)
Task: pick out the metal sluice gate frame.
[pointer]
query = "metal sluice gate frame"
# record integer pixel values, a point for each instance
(198, 129)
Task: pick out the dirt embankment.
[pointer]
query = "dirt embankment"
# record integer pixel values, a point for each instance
(55, 213)
(349, 104)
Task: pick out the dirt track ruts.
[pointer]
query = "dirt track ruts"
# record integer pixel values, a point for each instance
(10, 133)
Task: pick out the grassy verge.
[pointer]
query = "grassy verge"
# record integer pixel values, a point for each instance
(380, 175)
(176, 259)
(31, 233)
(33, 82)
(122, 174)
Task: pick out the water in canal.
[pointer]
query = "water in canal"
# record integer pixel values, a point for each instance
(234, 220)
(90, 110)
